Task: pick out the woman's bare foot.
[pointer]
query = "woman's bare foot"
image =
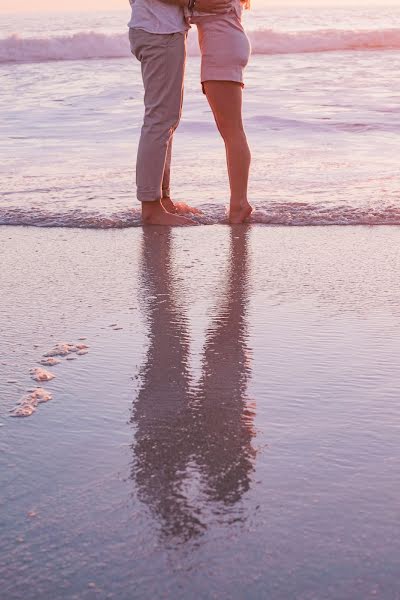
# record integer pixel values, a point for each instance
(154, 213)
(240, 214)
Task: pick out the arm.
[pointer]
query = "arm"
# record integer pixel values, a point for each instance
(209, 6)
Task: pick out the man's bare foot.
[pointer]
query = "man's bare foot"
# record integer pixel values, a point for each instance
(168, 219)
(240, 214)
(179, 208)
(168, 205)
(154, 213)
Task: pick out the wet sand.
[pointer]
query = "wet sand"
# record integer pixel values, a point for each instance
(231, 430)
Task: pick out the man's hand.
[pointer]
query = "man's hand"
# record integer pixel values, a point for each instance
(207, 6)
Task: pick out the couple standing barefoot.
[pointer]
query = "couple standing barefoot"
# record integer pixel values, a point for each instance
(157, 34)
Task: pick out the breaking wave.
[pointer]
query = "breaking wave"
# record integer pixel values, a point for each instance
(286, 214)
(90, 45)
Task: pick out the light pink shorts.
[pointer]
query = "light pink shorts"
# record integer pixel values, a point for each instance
(225, 47)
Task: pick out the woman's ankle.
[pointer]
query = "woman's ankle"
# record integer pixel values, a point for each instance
(238, 203)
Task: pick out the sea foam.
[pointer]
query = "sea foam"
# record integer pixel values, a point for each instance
(301, 214)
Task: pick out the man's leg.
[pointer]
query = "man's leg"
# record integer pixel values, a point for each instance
(166, 182)
(162, 60)
(166, 201)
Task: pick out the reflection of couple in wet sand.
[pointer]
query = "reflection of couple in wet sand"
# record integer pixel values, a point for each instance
(158, 31)
(192, 435)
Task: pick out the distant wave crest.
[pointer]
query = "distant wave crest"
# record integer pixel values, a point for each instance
(92, 45)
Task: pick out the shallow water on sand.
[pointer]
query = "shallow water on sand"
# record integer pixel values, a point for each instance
(233, 430)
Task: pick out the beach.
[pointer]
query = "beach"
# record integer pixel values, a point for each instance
(321, 113)
(208, 412)
(232, 430)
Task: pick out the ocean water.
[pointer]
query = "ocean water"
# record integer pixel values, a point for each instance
(322, 112)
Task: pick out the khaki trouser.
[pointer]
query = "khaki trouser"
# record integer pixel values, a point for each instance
(162, 57)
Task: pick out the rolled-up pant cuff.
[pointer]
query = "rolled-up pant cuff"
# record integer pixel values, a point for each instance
(149, 197)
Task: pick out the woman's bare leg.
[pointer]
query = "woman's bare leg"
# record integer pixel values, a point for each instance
(225, 100)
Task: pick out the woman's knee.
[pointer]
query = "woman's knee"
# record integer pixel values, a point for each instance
(229, 123)
(231, 131)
